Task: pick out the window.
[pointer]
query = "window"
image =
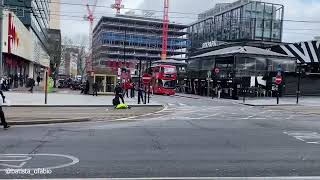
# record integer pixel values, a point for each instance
(169, 70)
(170, 84)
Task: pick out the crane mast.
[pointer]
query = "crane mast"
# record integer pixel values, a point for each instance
(165, 28)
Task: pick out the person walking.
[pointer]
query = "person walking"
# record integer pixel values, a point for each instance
(87, 87)
(132, 87)
(20, 80)
(126, 87)
(2, 117)
(38, 80)
(140, 93)
(32, 84)
(2, 84)
(95, 89)
(119, 92)
(219, 88)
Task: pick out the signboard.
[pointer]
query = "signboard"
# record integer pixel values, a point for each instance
(16, 37)
(146, 78)
(212, 44)
(278, 79)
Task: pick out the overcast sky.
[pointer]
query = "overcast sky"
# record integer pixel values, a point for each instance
(305, 10)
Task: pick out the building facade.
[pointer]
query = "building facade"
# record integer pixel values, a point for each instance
(243, 20)
(308, 55)
(34, 15)
(123, 40)
(231, 49)
(55, 10)
(69, 62)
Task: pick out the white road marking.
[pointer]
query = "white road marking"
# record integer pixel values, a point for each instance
(30, 156)
(13, 166)
(205, 117)
(14, 158)
(249, 117)
(134, 117)
(305, 136)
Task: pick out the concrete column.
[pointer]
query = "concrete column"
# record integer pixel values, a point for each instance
(31, 70)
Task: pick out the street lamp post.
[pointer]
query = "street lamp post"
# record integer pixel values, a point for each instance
(139, 85)
(299, 68)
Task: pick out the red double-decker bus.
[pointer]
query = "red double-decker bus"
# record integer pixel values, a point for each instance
(164, 79)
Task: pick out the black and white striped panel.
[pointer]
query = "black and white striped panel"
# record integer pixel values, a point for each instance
(305, 52)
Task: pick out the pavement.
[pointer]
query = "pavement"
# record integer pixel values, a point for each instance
(67, 106)
(190, 139)
(63, 98)
(50, 115)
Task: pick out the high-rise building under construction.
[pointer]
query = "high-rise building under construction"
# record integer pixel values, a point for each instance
(121, 41)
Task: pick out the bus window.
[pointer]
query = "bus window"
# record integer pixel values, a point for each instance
(169, 70)
(169, 83)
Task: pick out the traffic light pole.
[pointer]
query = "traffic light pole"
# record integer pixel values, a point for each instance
(139, 85)
(299, 82)
(149, 83)
(278, 94)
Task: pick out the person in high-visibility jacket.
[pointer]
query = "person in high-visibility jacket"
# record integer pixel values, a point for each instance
(122, 106)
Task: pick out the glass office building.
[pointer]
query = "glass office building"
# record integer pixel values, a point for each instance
(244, 20)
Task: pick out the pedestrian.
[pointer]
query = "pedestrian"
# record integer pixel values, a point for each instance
(140, 93)
(32, 84)
(38, 80)
(219, 91)
(126, 87)
(119, 92)
(6, 84)
(2, 117)
(132, 87)
(87, 87)
(10, 81)
(2, 84)
(15, 80)
(21, 80)
(95, 89)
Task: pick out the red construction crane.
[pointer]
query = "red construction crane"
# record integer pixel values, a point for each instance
(117, 5)
(165, 28)
(90, 18)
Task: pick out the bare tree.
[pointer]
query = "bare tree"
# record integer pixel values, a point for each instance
(78, 44)
(55, 52)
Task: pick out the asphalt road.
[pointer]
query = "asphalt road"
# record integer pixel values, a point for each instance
(191, 138)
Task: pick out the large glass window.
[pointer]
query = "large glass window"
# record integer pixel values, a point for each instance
(169, 70)
(253, 21)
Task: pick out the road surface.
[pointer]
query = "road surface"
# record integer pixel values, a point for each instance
(191, 138)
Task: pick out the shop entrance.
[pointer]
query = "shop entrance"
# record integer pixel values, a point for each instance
(106, 83)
